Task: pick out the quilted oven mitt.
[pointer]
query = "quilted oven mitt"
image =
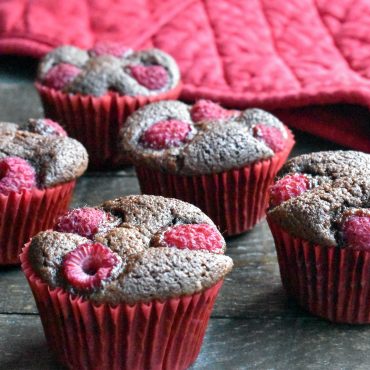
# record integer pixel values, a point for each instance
(305, 60)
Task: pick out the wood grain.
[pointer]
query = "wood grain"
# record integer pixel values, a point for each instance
(278, 343)
(253, 326)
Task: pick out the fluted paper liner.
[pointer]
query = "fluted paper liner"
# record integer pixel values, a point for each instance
(96, 121)
(330, 282)
(24, 214)
(156, 335)
(235, 200)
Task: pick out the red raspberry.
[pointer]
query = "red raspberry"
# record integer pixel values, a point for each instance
(288, 187)
(152, 77)
(46, 127)
(165, 134)
(55, 127)
(205, 110)
(114, 48)
(85, 222)
(86, 267)
(60, 75)
(356, 232)
(196, 237)
(16, 174)
(271, 136)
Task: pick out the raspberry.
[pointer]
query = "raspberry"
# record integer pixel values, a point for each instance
(196, 237)
(165, 134)
(288, 187)
(152, 77)
(16, 174)
(205, 110)
(110, 48)
(356, 232)
(60, 75)
(271, 136)
(46, 127)
(85, 222)
(86, 267)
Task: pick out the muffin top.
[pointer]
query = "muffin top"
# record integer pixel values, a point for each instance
(324, 198)
(40, 149)
(108, 67)
(131, 249)
(200, 139)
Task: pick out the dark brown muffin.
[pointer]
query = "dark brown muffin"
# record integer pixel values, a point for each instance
(150, 247)
(315, 194)
(200, 139)
(97, 71)
(56, 158)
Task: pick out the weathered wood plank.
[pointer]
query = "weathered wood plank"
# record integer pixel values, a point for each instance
(277, 343)
(93, 190)
(254, 325)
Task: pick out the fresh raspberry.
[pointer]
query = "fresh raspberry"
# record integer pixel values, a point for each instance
(356, 232)
(114, 48)
(86, 267)
(85, 222)
(196, 237)
(152, 77)
(205, 110)
(288, 187)
(46, 127)
(16, 174)
(60, 75)
(271, 136)
(165, 134)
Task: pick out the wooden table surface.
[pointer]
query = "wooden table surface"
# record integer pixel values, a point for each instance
(253, 325)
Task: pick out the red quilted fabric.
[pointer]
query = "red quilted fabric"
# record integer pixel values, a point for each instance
(307, 60)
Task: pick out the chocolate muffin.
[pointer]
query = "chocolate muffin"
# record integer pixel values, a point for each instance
(38, 169)
(92, 92)
(150, 266)
(188, 151)
(316, 192)
(319, 216)
(187, 147)
(55, 158)
(140, 232)
(97, 71)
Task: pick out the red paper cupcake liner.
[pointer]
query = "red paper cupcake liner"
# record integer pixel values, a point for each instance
(235, 200)
(330, 282)
(154, 335)
(96, 121)
(24, 214)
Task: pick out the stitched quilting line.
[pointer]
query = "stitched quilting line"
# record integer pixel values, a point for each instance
(227, 81)
(172, 11)
(334, 42)
(26, 11)
(276, 49)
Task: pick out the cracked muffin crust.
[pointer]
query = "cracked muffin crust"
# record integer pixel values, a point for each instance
(105, 69)
(42, 143)
(135, 257)
(200, 139)
(316, 196)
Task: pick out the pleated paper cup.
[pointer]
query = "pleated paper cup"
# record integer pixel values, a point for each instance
(235, 200)
(156, 335)
(96, 121)
(24, 214)
(330, 282)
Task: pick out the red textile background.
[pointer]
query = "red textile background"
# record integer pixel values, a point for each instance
(306, 60)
